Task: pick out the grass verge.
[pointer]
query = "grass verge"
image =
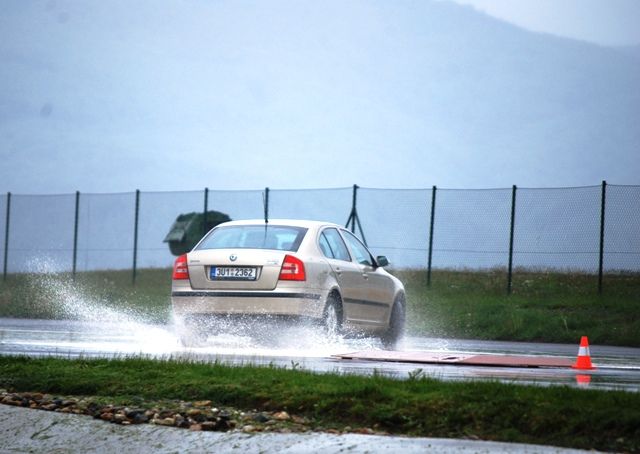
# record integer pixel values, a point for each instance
(560, 416)
(544, 306)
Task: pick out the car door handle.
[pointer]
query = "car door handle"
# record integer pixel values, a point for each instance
(365, 275)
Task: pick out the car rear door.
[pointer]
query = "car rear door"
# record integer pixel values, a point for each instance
(348, 274)
(377, 292)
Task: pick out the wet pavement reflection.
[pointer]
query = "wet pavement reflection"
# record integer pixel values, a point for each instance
(307, 348)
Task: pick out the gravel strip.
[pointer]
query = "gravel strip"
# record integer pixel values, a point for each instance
(59, 431)
(66, 428)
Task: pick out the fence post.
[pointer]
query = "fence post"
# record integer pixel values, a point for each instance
(135, 237)
(75, 235)
(431, 223)
(6, 237)
(602, 212)
(206, 208)
(266, 205)
(513, 219)
(352, 216)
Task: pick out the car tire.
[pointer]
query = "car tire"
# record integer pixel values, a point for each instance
(395, 331)
(333, 316)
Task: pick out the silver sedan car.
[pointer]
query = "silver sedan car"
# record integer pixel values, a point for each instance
(286, 269)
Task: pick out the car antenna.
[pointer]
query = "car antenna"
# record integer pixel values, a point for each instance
(265, 205)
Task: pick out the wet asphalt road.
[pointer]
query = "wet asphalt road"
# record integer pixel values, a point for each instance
(26, 430)
(300, 347)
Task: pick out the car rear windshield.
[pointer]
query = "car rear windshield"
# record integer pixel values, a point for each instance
(278, 237)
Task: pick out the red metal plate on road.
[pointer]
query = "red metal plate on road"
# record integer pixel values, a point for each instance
(459, 358)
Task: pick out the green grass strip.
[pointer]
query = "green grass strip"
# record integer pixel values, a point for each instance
(560, 416)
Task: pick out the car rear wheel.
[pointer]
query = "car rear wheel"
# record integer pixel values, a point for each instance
(333, 316)
(395, 331)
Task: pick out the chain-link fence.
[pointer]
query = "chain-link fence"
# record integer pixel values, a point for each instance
(593, 230)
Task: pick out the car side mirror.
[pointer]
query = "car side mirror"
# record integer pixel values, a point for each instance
(381, 260)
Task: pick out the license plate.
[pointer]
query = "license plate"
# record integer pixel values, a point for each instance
(233, 273)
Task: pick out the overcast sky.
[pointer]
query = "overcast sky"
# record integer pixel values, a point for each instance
(113, 95)
(606, 22)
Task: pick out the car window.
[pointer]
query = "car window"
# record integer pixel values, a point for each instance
(332, 245)
(278, 237)
(361, 253)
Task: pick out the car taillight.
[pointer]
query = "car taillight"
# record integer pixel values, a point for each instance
(292, 269)
(180, 269)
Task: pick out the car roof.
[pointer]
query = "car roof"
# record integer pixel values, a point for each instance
(291, 222)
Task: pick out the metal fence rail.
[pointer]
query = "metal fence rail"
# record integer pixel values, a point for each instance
(594, 229)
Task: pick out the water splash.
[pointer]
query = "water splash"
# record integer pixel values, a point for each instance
(267, 336)
(68, 299)
(123, 328)
(114, 326)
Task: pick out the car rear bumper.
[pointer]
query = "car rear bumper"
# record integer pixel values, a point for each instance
(281, 303)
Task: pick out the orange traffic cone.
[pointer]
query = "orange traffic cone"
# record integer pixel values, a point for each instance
(584, 357)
